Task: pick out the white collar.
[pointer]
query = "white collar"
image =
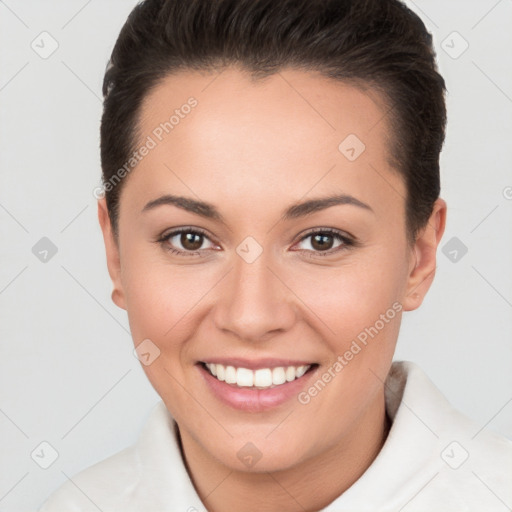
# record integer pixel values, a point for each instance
(416, 470)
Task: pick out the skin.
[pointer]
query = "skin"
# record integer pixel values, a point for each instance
(252, 149)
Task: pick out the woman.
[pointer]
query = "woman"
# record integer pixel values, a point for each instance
(271, 178)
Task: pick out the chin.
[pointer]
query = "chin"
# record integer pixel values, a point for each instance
(261, 455)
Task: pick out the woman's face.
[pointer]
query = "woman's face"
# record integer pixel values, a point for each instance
(244, 172)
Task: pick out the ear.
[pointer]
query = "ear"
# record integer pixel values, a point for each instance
(112, 251)
(423, 258)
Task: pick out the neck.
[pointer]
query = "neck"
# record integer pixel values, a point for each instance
(308, 486)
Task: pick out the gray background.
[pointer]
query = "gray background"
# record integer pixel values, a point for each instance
(68, 374)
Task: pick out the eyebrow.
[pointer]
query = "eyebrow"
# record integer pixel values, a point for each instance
(295, 211)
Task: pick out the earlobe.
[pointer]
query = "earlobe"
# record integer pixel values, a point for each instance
(118, 298)
(423, 266)
(112, 254)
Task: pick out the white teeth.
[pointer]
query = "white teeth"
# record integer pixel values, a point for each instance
(221, 372)
(261, 378)
(230, 374)
(244, 377)
(290, 373)
(300, 371)
(278, 376)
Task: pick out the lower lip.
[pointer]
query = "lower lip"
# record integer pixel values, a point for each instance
(255, 400)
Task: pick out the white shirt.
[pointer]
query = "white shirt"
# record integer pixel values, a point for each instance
(434, 460)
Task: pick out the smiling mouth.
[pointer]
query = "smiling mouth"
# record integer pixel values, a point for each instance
(262, 378)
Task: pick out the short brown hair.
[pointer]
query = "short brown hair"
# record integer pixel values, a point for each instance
(376, 43)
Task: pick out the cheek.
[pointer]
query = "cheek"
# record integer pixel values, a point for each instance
(162, 302)
(359, 308)
(347, 299)
(161, 297)
(155, 298)
(164, 299)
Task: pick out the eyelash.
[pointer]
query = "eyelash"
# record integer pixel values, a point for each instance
(347, 242)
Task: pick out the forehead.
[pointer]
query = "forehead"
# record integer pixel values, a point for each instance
(294, 104)
(290, 130)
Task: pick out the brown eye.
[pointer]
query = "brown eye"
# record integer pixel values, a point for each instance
(191, 241)
(322, 242)
(325, 242)
(186, 241)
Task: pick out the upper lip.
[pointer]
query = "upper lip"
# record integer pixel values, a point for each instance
(256, 364)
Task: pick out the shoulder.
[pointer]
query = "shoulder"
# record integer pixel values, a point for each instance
(470, 467)
(128, 478)
(434, 458)
(96, 486)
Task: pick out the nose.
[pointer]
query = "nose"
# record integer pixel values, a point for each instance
(254, 302)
